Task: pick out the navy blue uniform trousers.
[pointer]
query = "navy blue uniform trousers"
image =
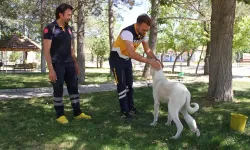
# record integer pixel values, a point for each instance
(66, 72)
(123, 74)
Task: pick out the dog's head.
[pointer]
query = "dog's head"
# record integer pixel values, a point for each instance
(156, 74)
(152, 70)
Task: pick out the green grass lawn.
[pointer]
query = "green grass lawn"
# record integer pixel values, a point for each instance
(30, 124)
(34, 80)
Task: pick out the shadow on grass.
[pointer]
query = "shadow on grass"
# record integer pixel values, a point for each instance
(36, 80)
(242, 94)
(23, 80)
(30, 124)
(186, 74)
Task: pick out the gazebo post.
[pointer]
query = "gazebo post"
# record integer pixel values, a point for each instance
(5, 60)
(25, 55)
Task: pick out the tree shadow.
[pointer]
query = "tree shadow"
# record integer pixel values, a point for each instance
(242, 94)
(31, 124)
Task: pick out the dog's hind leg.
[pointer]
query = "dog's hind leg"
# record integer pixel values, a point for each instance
(174, 112)
(168, 123)
(190, 121)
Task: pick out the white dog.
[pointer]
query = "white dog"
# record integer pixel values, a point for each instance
(178, 98)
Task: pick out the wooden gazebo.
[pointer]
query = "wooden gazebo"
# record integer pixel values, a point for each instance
(18, 43)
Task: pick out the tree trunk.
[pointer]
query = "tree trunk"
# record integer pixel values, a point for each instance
(43, 61)
(23, 28)
(177, 57)
(153, 32)
(24, 52)
(1, 30)
(74, 25)
(80, 41)
(190, 57)
(97, 61)
(1, 56)
(196, 70)
(220, 68)
(237, 57)
(206, 27)
(111, 25)
(92, 57)
(101, 62)
(162, 55)
(206, 60)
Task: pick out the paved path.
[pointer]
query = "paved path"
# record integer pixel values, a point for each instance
(47, 91)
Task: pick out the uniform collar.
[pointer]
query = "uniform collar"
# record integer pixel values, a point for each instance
(136, 30)
(137, 33)
(56, 24)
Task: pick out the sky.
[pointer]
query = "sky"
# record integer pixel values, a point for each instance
(130, 16)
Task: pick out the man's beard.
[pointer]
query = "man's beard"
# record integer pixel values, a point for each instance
(67, 21)
(141, 34)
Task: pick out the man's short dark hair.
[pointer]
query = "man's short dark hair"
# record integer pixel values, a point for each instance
(144, 18)
(61, 9)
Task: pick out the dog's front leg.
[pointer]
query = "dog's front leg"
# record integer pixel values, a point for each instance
(156, 109)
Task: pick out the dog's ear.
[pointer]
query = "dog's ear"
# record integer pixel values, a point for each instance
(161, 64)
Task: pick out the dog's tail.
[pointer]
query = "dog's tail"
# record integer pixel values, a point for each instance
(190, 109)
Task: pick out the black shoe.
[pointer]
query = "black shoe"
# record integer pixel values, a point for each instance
(126, 115)
(134, 111)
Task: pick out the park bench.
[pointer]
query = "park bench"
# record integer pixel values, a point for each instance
(28, 66)
(6, 65)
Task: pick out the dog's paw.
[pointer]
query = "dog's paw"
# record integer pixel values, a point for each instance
(198, 133)
(168, 123)
(153, 123)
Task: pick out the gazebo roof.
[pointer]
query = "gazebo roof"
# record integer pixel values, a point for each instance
(19, 43)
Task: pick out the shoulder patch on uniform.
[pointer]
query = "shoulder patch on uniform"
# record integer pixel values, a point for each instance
(46, 30)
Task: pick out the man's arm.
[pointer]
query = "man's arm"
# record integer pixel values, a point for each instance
(132, 54)
(47, 40)
(47, 45)
(127, 36)
(148, 51)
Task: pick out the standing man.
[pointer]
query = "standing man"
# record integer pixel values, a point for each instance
(61, 62)
(120, 61)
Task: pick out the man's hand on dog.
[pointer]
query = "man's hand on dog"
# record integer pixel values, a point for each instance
(156, 64)
(162, 66)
